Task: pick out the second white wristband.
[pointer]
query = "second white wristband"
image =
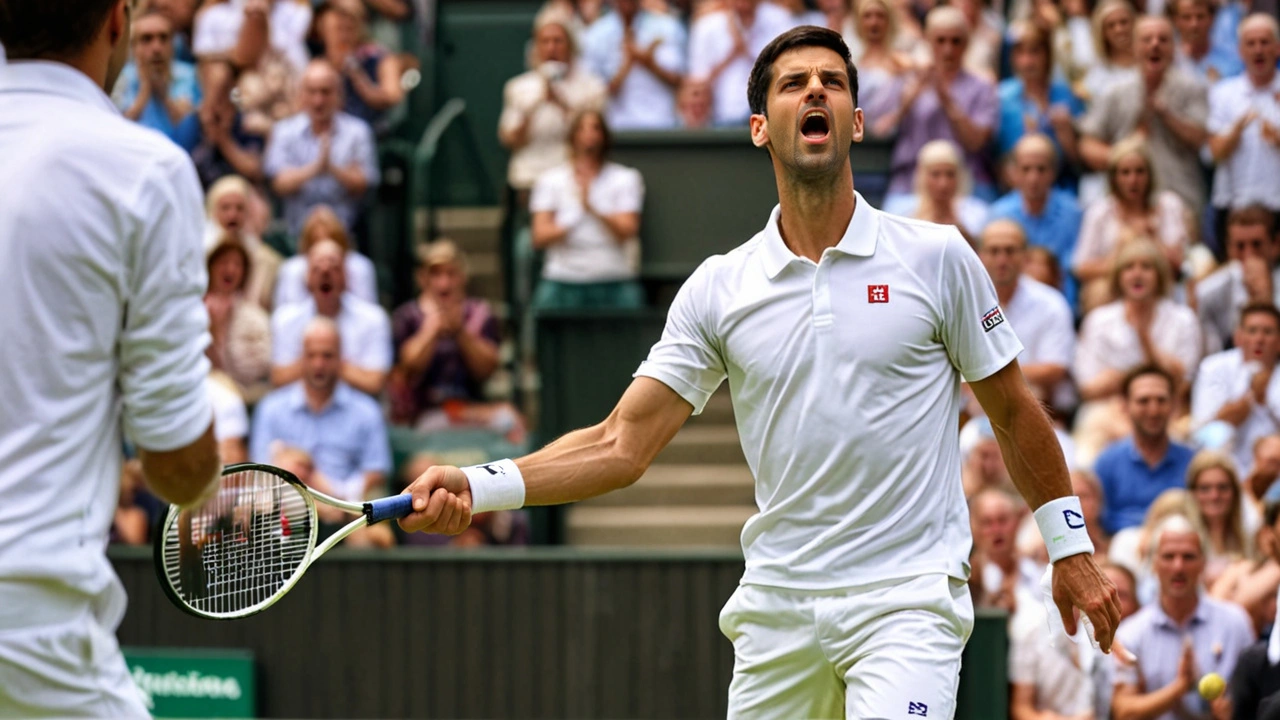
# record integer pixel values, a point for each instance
(495, 486)
(1061, 524)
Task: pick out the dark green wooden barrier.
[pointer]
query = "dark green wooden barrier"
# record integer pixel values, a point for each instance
(545, 633)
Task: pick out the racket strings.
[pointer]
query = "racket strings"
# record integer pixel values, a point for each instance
(241, 548)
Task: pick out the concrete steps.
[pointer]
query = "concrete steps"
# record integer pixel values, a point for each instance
(658, 527)
(684, 485)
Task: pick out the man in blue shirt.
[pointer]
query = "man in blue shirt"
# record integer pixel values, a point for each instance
(1133, 471)
(342, 429)
(154, 89)
(1050, 217)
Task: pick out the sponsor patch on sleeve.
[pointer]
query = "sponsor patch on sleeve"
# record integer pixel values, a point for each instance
(992, 318)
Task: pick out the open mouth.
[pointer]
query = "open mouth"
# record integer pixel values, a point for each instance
(815, 126)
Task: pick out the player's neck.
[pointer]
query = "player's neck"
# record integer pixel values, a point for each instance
(816, 213)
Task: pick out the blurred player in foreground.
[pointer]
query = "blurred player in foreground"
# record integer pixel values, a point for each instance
(845, 334)
(101, 278)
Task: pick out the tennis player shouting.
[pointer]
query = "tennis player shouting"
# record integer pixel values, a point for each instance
(845, 334)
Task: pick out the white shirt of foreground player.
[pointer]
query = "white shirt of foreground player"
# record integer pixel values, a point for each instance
(845, 377)
(103, 326)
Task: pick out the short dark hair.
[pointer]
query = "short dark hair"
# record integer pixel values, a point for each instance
(1261, 307)
(1144, 370)
(801, 37)
(50, 29)
(1252, 215)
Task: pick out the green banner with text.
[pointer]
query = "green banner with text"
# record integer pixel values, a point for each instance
(191, 683)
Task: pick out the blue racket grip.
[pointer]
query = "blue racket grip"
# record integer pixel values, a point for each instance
(389, 508)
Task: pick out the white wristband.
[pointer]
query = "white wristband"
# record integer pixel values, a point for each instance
(1061, 524)
(495, 486)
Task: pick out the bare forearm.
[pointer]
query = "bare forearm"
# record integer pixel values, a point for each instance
(1045, 375)
(1133, 706)
(1104, 385)
(417, 351)
(251, 43)
(362, 379)
(479, 355)
(352, 179)
(247, 164)
(971, 136)
(290, 180)
(1236, 411)
(1032, 453)
(1224, 146)
(1089, 270)
(1094, 153)
(285, 374)
(183, 475)
(622, 226)
(393, 9)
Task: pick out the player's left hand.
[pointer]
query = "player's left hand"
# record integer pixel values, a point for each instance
(1077, 582)
(441, 502)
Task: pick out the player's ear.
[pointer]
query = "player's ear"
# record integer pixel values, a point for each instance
(857, 124)
(759, 130)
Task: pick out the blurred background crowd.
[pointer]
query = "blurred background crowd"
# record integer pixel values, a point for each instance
(1116, 167)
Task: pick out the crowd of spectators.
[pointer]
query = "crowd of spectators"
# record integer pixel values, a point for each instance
(1116, 168)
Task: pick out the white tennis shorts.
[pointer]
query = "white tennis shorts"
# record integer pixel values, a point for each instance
(64, 671)
(889, 651)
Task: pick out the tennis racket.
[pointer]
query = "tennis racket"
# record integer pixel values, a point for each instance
(242, 550)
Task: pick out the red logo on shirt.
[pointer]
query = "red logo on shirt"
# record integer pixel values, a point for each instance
(877, 293)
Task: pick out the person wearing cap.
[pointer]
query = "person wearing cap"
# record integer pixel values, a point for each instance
(446, 347)
(1255, 684)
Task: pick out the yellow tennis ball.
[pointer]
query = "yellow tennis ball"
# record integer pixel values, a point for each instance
(1212, 686)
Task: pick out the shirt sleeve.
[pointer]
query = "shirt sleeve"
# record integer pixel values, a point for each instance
(1089, 350)
(978, 340)
(687, 358)
(1059, 347)
(1089, 243)
(1221, 113)
(1094, 123)
(1193, 103)
(702, 51)
(1185, 344)
(630, 197)
(670, 54)
(273, 158)
(230, 418)
(376, 355)
(204, 39)
(512, 114)
(984, 107)
(163, 367)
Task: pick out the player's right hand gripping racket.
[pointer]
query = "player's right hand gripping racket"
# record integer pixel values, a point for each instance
(248, 545)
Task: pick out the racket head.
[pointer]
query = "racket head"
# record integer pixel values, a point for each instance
(243, 549)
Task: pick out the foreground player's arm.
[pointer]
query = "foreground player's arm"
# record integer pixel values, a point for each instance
(1039, 470)
(163, 368)
(583, 464)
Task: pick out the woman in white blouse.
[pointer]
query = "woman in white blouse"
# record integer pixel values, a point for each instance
(1113, 42)
(586, 216)
(1142, 326)
(1133, 208)
(537, 105)
(942, 191)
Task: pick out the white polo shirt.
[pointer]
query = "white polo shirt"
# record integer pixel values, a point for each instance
(845, 377)
(1225, 377)
(364, 329)
(291, 280)
(589, 253)
(230, 416)
(101, 282)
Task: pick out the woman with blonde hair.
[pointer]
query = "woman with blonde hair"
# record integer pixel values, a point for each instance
(1133, 208)
(229, 215)
(942, 191)
(1217, 512)
(324, 224)
(1141, 326)
(882, 66)
(1115, 59)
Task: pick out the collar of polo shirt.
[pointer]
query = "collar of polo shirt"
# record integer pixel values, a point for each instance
(859, 238)
(53, 78)
(1198, 616)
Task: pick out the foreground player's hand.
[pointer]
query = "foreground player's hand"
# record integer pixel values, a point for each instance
(1078, 583)
(441, 502)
